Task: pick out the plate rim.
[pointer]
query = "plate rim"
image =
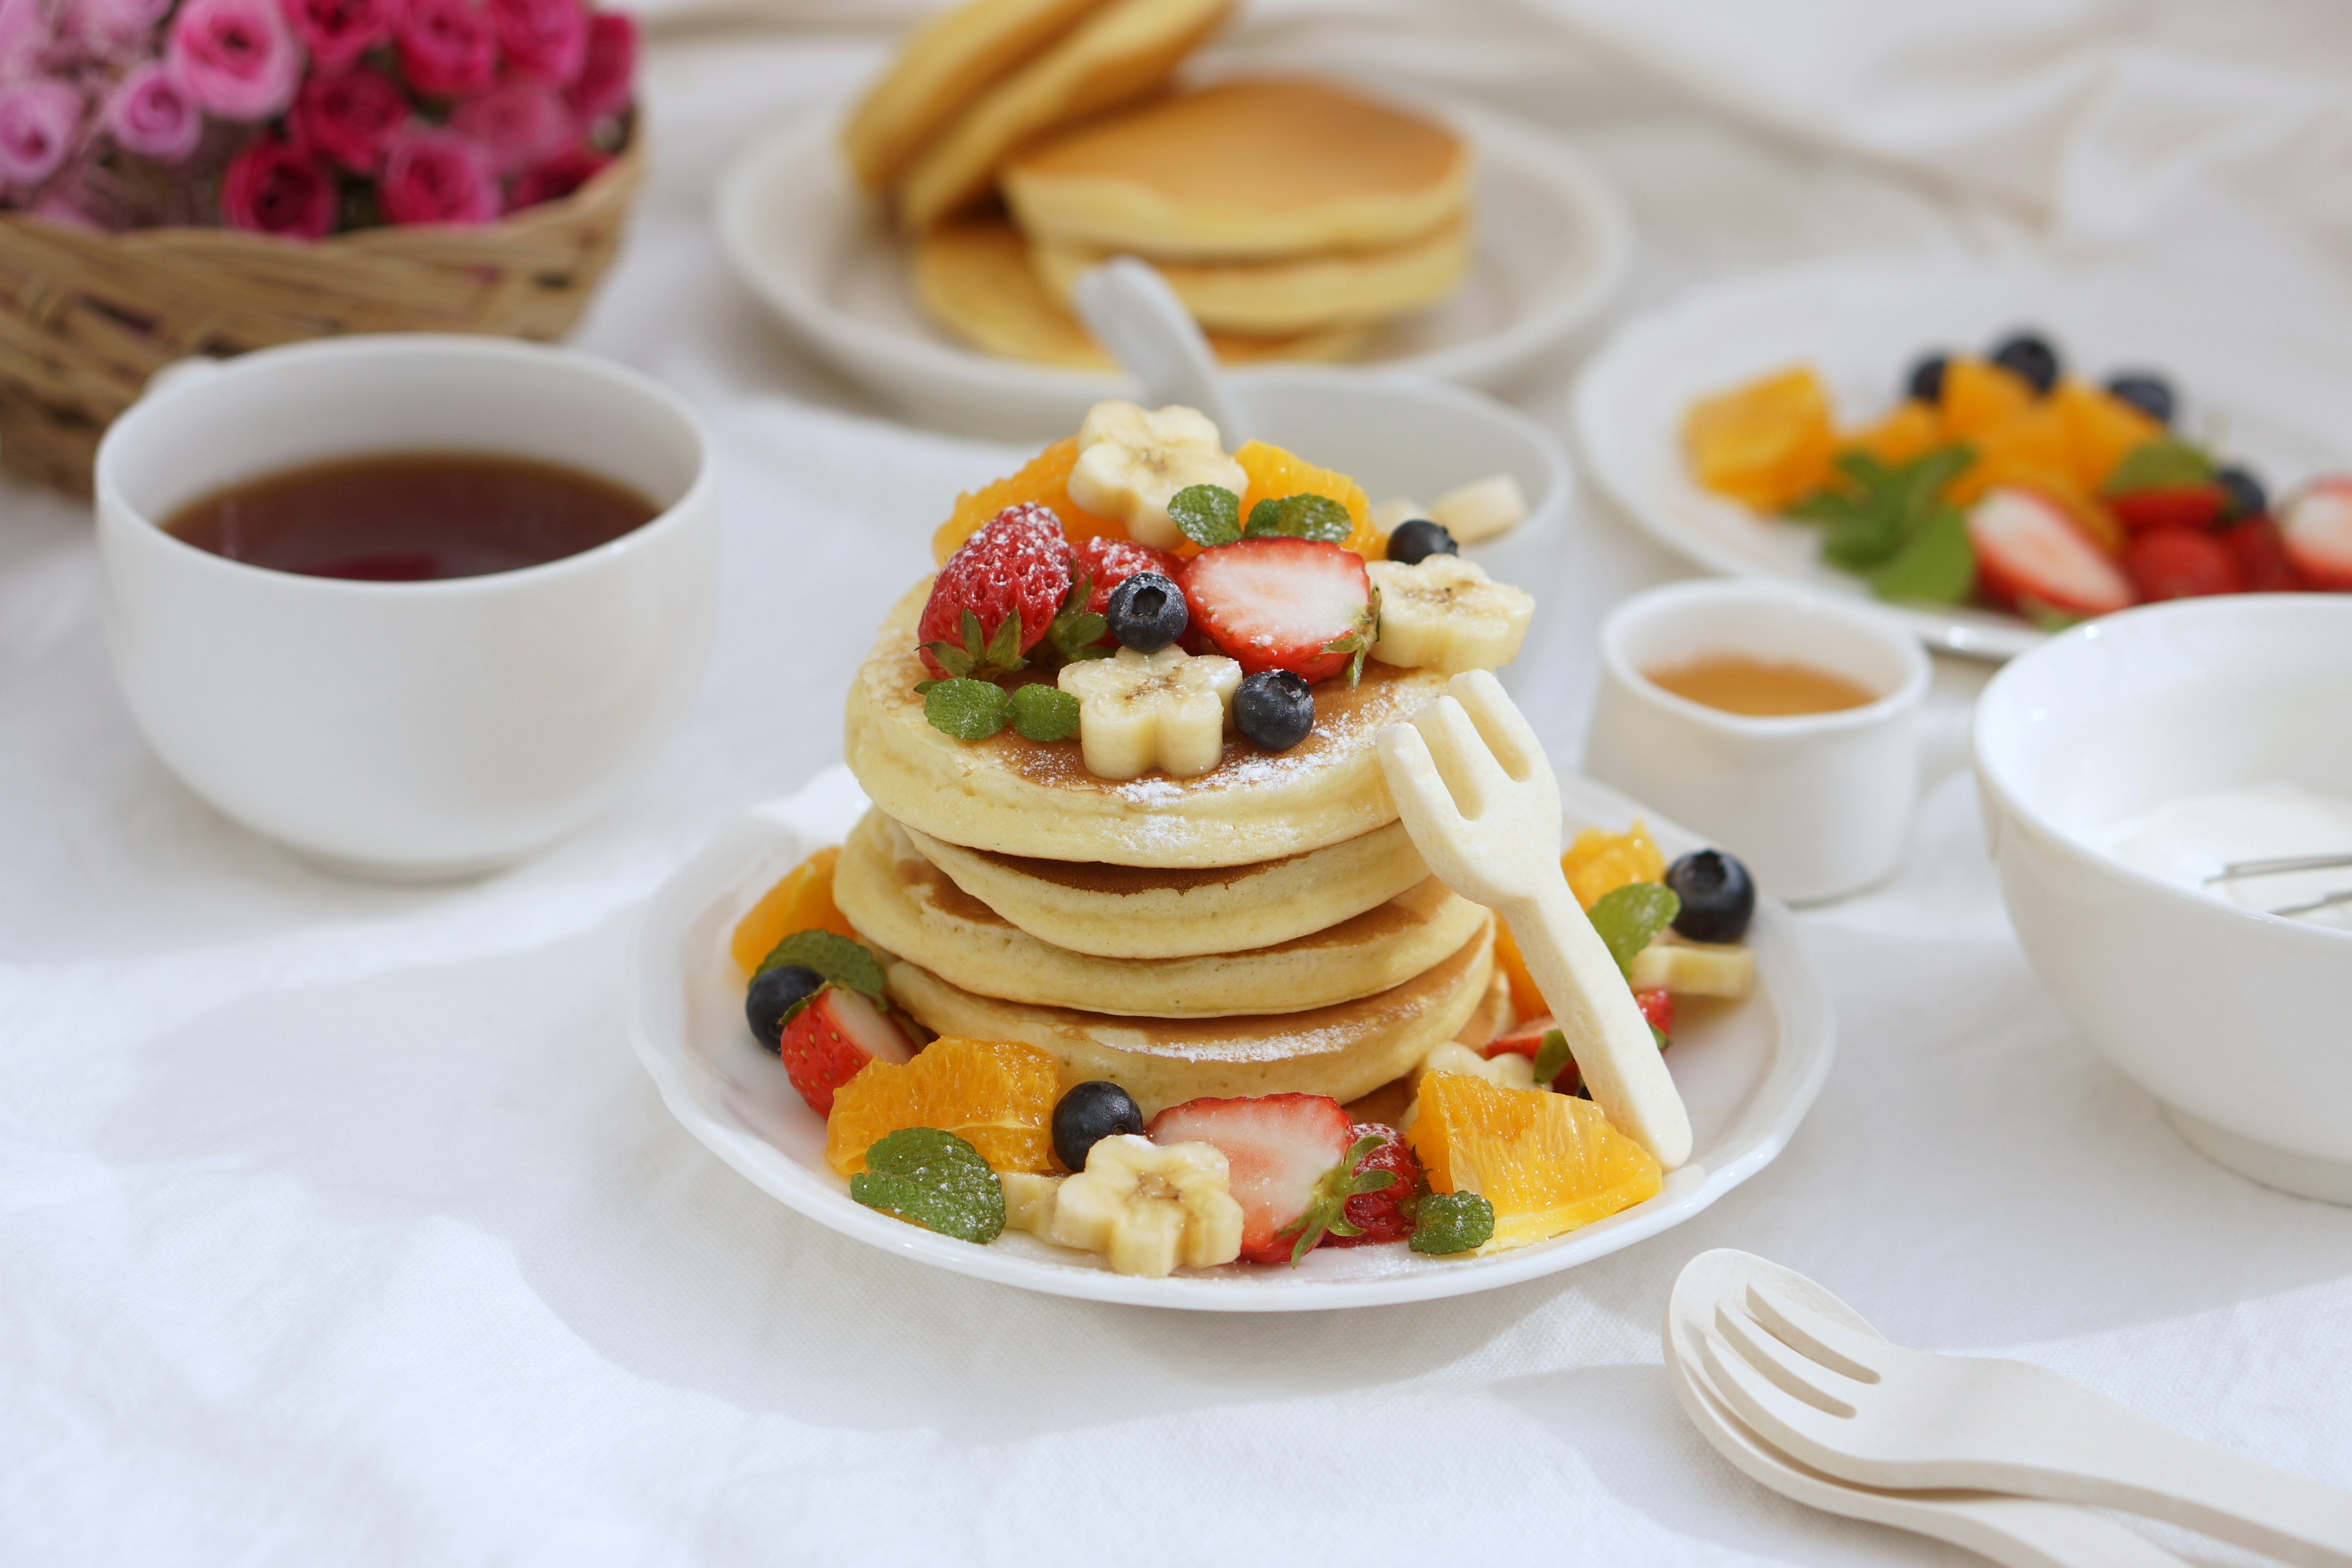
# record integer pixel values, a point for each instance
(1806, 1041)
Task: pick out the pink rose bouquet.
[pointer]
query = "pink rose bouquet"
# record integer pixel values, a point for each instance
(306, 118)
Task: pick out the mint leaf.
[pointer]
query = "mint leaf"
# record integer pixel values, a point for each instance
(1042, 713)
(1629, 918)
(1300, 516)
(1206, 514)
(1452, 1222)
(1660, 1036)
(933, 1179)
(1327, 1210)
(1875, 512)
(846, 964)
(1552, 1058)
(968, 709)
(1939, 566)
(2163, 464)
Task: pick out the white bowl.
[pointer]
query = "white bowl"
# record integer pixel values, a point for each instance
(2237, 1020)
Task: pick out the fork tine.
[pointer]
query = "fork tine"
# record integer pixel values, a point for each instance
(1774, 1415)
(1793, 1374)
(1815, 1335)
(1500, 723)
(1421, 797)
(1470, 771)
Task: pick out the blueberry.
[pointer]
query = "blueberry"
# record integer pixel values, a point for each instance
(2150, 394)
(1926, 382)
(1718, 897)
(1419, 540)
(1090, 1112)
(2030, 356)
(774, 992)
(1146, 612)
(1274, 709)
(2243, 493)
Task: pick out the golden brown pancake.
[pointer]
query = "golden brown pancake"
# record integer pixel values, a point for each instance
(1243, 170)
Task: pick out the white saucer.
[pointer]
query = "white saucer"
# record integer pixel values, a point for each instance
(1553, 244)
(1748, 1073)
(2263, 391)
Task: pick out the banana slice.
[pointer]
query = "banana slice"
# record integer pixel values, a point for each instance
(1132, 461)
(1506, 1070)
(1388, 514)
(1029, 1201)
(1480, 510)
(1147, 1209)
(1443, 613)
(1695, 969)
(1138, 712)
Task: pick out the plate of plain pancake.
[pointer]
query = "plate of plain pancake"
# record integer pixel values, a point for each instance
(927, 239)
(1264, 927)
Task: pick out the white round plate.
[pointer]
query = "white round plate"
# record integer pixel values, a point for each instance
(2263, 391)
(1746, 1071)
(1553, 244)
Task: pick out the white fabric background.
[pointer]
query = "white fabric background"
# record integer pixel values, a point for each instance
(338, 1225)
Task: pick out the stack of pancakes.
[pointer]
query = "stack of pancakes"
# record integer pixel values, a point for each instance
(1289, 217)
(1264, 927)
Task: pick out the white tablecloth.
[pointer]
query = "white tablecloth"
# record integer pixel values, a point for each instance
(338, 1225)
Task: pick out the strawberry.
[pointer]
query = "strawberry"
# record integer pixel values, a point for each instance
(2262, 559)
(997, 595)
(1281, 1147)
(1106, 562)
(1657, 1006)
(2174, 506)
(1278, 603)
(827, 1041)
(2316, 531)
(1379, 1213)
(1526, 1039)
(2172, 564)
(2031, 557)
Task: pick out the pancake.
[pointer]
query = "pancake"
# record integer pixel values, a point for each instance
(975, 279)
(1129, 911)
(1290, 294)
(1017, 797)
(1114, 55)
(1249, 169)
(1345, 1051)
(939, 70)
(899, 900)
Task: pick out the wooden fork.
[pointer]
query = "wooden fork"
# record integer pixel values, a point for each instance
(1481, 804)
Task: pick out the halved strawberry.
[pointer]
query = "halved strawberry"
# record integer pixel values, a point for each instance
(2173, 564)
(2031, 557)
(2262, 559)
(2174, 506)
(1384, 1213)
(1278, 603)
(1526, 1039)
(2316, 531)
(1657, 1005)
(829, 1039)
(1279, 1146)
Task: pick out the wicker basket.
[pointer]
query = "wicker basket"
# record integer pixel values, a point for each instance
(85, 318)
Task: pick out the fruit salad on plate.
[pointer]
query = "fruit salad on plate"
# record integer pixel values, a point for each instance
(2001, 480)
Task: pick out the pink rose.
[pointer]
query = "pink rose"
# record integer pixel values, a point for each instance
(555, 179)
(338, 32)
(41, 122)
(517, 123)
(446, 47)
(547, 39)
(24, 34)
(270, 188)
(236, 57)
(603, 86)
(150, 113)
(116, 28)
(437, 176)
(348, 118)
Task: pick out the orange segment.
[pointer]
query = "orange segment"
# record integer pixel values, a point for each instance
(1548, 1162)
(996, 1094)
(1765, 444)
(1979, 395)
(1045, 478)
(1599, 863)
(801, 901)
(1911, 431)
(1526, 1002)
(1274, 473)
(2100, 429)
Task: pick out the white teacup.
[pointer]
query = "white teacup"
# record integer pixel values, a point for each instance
(1817, 804)
(414, 729)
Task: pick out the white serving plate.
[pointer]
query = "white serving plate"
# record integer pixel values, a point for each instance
(1748, 1073)
(1554, 241)
(2265, 391)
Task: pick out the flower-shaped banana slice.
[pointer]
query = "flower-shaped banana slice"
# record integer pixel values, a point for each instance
(1138, 712)
(1147, 1207)
(1444, 614)
(1132, 461)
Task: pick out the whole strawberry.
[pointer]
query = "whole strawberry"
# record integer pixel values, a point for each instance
(1384, 1215)
(1106, 562)
(997, 595)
